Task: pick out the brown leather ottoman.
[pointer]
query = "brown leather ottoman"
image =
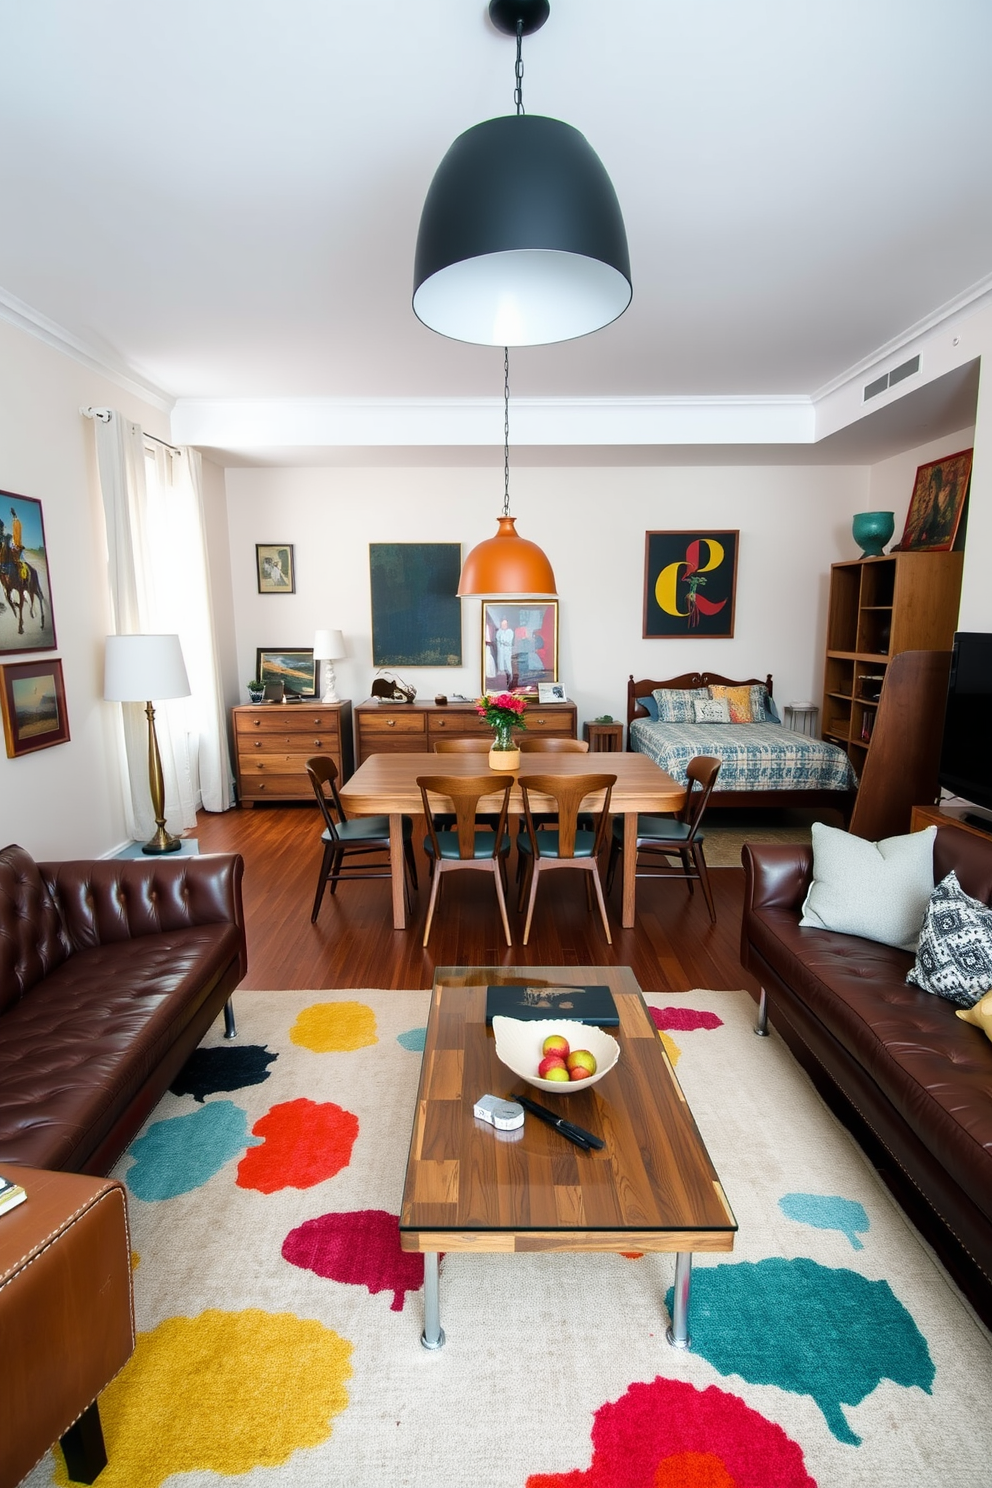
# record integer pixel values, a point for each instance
(66, 1317)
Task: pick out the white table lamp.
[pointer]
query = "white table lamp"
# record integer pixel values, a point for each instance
(328, 647)
(138, 668)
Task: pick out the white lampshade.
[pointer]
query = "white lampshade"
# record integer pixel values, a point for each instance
(142, 668)
(328, 645)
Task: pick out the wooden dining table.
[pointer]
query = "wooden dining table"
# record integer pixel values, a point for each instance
(386, 785)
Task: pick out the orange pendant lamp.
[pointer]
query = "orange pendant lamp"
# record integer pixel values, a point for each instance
(507, 564)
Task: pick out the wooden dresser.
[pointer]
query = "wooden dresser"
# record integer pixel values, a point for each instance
(273, 742)
(384, 728)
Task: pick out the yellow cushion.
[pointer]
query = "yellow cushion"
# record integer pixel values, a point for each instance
(980, 1014)
(739, 701)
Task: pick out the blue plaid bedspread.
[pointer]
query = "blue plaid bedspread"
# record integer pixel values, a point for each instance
(753, 756)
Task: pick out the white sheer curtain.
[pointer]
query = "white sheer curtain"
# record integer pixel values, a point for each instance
(159, 583)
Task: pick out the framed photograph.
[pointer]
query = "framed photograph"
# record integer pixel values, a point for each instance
(690, 585)
(26, 619)
(519, 644)
(939, 494)
(33, 698)
(293, 666)
(275, 568)
(416, 612)
(551, 692)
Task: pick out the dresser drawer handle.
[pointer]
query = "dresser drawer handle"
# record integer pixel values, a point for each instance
(317, 743)
(390, 722)
(257, 744)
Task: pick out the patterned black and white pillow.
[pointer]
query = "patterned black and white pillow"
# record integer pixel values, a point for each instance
(954, 957)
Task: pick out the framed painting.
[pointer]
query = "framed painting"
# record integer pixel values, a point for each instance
(294, 667)
(416, 612)
(34, 714)
(519, 644)
(275, 568)
(26, 619)
(939, 495)
(690, 585)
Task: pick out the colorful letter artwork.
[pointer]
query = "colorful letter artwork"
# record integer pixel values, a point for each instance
(690, 584)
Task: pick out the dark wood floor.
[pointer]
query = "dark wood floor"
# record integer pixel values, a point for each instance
(673, 946)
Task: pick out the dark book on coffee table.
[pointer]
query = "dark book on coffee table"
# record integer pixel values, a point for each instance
(585, 1004)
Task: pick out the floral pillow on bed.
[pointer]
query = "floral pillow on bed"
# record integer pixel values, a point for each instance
(711, 710)
(675, 703)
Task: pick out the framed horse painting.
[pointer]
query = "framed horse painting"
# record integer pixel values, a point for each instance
(26, 619)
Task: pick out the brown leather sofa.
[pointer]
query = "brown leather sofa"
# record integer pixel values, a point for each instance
(111, 972)
(911, 1081)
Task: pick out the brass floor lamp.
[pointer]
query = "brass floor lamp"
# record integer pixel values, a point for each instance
(137, 669)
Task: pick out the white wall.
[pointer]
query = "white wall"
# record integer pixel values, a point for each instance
(793, 522)
(64, 801)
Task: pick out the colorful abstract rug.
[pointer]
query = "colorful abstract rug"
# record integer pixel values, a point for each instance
(280, 1322)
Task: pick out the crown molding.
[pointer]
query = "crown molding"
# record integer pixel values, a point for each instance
(26, 318)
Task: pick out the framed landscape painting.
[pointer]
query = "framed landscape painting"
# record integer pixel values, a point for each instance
(519, 644)
(939, 495)
(26, 619)
(293, 666)
(33, 697)
(690, 585)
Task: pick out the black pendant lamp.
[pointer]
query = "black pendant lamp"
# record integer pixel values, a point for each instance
(521, 238)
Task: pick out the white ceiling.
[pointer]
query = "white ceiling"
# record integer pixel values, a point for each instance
(222, 196)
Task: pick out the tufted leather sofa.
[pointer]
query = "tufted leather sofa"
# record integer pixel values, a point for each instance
(912, 1081)
(111, 972)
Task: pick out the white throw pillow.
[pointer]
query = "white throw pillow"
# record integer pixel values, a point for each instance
(876, 889)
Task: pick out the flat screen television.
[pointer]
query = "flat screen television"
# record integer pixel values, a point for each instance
(966, 751)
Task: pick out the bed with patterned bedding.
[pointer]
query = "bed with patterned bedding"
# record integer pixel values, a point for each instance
(761, 762)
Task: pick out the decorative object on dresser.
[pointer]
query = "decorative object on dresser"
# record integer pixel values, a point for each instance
(416, 613)
(328, 647)
(24, 577)
(872, 530)
(137, 669)
(272, 745)
(383, 729)
(519, 645)
(32, 694)
(256, 690)
(762, 763)
(293, 666)
(877, 608)
(275, 568)
(690, 583)
(504, 713)
(940, 492)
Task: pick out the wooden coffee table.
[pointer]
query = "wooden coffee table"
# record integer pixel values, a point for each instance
(469, 1188)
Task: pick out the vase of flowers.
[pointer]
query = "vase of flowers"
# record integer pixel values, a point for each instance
(504, 712)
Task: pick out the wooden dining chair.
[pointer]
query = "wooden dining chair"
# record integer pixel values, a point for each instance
(345, 837)
(551, 744)
(664, 838)
(566, 844)
(463, 846)
(471, 744)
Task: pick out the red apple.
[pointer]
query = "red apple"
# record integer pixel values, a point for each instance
(581, 1059)
(555, 1043)
(578, 1072)
(550, 1062)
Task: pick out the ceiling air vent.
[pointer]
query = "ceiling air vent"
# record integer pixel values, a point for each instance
(889, 379)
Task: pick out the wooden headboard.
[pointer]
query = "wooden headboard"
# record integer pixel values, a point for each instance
(645, 687)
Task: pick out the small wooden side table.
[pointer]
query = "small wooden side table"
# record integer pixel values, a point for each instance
(603, 738)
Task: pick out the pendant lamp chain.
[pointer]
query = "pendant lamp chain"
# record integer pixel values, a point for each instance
(506, 431)
(518, 92)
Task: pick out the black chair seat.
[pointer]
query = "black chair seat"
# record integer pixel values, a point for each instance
(658, 829)
(366, 829)
(548, 845)
(447, 845)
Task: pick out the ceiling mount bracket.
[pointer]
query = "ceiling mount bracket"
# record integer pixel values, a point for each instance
(530, 15)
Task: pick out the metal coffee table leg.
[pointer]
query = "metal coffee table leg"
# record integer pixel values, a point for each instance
(433, 1334)
(678, 1333)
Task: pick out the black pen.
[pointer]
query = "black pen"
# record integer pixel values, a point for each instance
(576, 1134)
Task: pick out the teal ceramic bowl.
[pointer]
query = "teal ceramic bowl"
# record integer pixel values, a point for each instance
(872, 530)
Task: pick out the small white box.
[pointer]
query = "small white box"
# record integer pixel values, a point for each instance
(504, 1115)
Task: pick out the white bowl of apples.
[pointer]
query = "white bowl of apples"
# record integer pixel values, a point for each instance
(557, 1055)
